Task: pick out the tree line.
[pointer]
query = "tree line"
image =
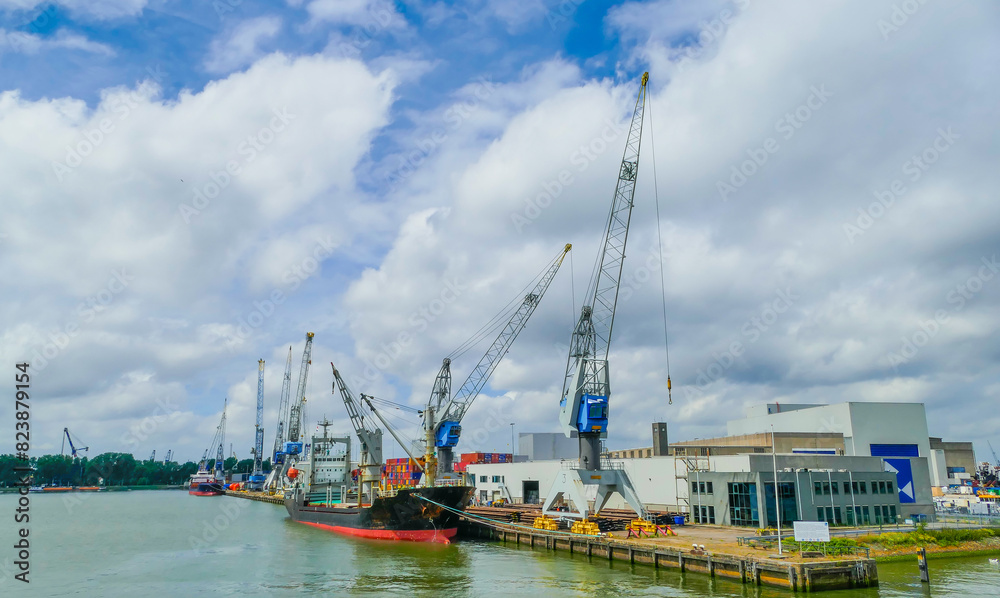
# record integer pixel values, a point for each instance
(108, 469)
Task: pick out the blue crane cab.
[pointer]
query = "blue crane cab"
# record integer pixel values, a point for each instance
(593, 414)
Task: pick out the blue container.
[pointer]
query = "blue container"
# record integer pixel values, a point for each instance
(678, 519)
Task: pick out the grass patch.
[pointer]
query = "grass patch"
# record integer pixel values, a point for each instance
(925, 537)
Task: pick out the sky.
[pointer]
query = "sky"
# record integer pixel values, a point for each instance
(191, 186)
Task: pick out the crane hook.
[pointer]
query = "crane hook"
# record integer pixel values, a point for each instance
(670, 397)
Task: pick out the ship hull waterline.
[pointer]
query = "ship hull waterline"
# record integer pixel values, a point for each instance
(407, 516)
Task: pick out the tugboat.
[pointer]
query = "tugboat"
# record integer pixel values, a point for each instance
(323, 494)
(211, 482)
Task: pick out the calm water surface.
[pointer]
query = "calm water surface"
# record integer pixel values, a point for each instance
(168, 543)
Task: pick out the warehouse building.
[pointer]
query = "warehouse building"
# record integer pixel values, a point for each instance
(847, 463)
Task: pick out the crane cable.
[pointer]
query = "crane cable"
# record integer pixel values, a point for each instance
(659, 240)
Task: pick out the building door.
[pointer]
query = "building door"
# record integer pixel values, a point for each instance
(529, 490)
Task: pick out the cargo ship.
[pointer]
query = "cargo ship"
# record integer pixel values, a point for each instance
(327, 494)
(415, 514)
(204, 483)
(211, 482)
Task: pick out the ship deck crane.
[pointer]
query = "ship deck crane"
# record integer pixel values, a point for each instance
(73, 449)
(257, 475)
(219, 441)
(444, 412)
(370, 461)
(586, 385)
(278, 455)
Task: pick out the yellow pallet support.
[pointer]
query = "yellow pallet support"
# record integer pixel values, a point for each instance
(643, 525)
(585, 527)
(545, 523)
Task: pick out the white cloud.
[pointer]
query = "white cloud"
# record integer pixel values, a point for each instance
(241, 46)
(120, 282)
(29, 43)
(374, 15)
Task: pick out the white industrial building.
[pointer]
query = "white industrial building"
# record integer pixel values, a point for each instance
(881, 468)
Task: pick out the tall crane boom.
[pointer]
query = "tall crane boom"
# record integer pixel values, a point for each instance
(295, 412)
(286, 389)
(586, 385)
(445, 422)
(257, 476)
(170, 454)
(219, 440)
(369, 436)
(73, 449)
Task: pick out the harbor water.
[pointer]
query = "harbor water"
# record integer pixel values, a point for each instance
(167, 543)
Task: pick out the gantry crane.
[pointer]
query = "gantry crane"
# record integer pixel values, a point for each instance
(586, 385)
(370, 461)
(444, 412)
(257, 476)
(278, 455)
(73, 449)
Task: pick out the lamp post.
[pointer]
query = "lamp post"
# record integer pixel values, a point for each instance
(512, 449)
(777, 501)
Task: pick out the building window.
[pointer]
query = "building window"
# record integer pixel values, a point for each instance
(865, 515)
(878, 515)
(743, 504)
(708, 488)
(836, 487)
(711, 514)
(864, 487)
(836, 513)
(826, 488)
(818, 488)
(892, 513)
(888, 486)
(850, 516)
(694, 487)
(847, 487)
(497, 479)
(482, 478)
(881, 488)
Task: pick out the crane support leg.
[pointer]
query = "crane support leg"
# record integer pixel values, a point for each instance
(571, 486)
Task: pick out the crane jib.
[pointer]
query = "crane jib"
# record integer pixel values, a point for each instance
(586, 384)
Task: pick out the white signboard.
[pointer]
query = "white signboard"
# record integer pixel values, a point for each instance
(811, 531)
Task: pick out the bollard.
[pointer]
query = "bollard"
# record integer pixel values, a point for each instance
(925, 576)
